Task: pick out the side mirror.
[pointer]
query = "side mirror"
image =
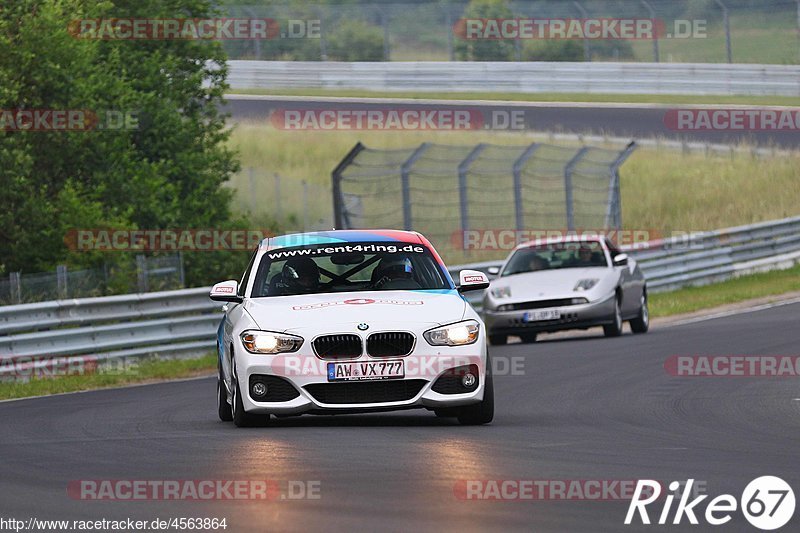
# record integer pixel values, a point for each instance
(620, 260)
(493, 270)
(225, 291)
(472, 280)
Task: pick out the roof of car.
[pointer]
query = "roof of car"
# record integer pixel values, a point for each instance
(341, 236)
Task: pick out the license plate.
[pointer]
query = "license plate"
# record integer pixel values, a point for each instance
(370, 370)
(549, 314)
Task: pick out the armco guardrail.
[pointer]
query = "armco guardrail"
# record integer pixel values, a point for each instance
(185, 322)
(524, 77)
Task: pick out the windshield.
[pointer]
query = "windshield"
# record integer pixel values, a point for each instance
(556, 256)
(347, 268)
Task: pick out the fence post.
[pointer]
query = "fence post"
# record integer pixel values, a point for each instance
(305, 205)
(463, 168)
(614, 205)
(405, 183)
(278, 197)
(568, 186)
(448, 17)
(141, 273)
(519, 213)
(323, 45)
(587, 56)
(726, 21)
(387, 50)
(339, 215)
(15, 287)
(652, 12)
(181, 272)
(61, 281)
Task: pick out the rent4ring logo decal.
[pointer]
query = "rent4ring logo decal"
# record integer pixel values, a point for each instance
(767, 503)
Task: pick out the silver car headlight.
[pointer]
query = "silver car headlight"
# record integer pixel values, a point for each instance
(457, 334)
(268, 342)
(585, 284)
(501, 292)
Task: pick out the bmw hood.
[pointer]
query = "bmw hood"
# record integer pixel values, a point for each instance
(333, 310)
(555, 284)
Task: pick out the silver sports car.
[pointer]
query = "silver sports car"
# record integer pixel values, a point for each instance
(565, 283)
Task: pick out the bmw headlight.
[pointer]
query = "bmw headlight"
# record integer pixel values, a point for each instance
(501, 292)
(585, 284)
(268, 342)
(457, 334)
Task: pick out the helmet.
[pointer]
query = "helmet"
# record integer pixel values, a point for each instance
(300, 273)
(394, 268)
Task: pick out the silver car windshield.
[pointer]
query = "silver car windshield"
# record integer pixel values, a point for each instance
(555, 256)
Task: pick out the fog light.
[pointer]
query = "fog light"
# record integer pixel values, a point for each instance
(468, 380)
(259, 389)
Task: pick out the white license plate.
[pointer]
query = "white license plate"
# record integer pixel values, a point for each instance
(366, 371)
(548, 314)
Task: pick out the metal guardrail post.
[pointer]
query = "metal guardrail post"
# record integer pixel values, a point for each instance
(463, 168)
(519, 213)
(405, 183)
(339, 216)
(652, 12)
(568, 168)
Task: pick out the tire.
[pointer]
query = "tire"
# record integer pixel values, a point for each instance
(242, 418)
(483, 412)
(528, 338)
(615, 329)
(223, 407)
(498, 340)
(641, 323)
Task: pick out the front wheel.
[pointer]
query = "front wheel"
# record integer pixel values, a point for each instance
(641, 323)
(615, 328)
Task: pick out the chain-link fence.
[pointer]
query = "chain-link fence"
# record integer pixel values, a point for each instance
(450, 192)
(148, 274)
(713, 31)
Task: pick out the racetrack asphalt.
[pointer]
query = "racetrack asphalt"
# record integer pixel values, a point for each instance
(634, 121)
(583, 408)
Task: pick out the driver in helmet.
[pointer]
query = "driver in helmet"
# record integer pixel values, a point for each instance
(300, 275)
(394, 270)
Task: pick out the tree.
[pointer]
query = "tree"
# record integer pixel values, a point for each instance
(485, 49)
(168, 172)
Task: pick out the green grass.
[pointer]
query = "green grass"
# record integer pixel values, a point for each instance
(666, 99)
(147, 370)
(727, 292)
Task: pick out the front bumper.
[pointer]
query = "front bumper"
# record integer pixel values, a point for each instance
(307, 374)
(572, 317)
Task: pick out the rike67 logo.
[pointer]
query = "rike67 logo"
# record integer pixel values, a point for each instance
(767, 503)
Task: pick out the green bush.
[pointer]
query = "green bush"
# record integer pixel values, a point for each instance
(485, 49)
(355, 40)
(553, 50)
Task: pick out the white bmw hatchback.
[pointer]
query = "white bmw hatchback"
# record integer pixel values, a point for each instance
(351, 321)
